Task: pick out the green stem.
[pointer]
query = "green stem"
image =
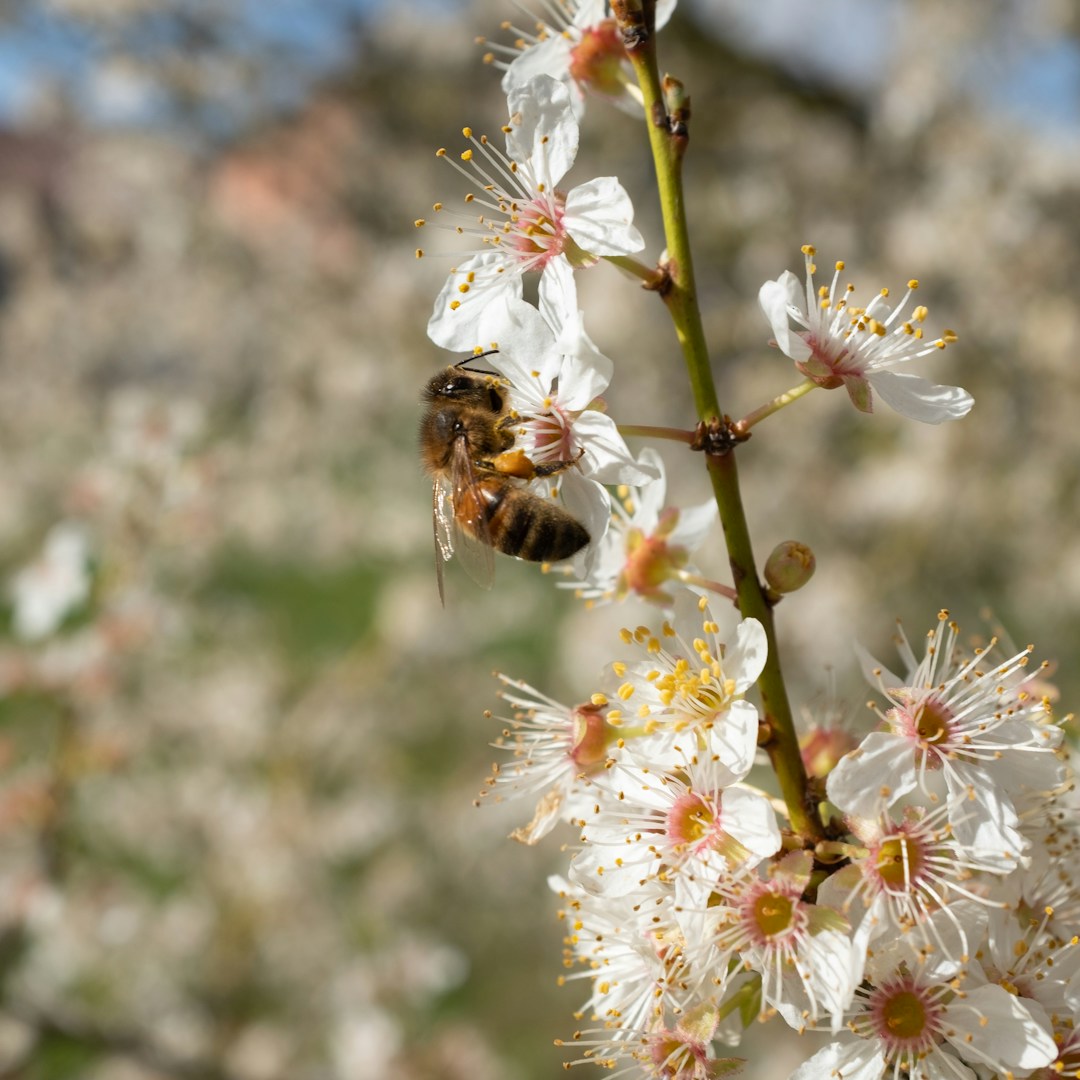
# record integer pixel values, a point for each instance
(650, 431)
(705, 583)
(668, 139)
(777, 403)
(650, 276)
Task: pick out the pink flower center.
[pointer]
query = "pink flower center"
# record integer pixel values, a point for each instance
(596, 61)
(552, 434)
(907, 1017)
(928, 721)
(539, 234)
(897, 863)
(773, 915)
(693, 822)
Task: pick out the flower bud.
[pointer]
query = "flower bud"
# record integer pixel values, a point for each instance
(789, 567)
(592, 735)
(823, 746)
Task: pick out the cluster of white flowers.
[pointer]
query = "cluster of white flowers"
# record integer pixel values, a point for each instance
(933, 928)
(922, 921)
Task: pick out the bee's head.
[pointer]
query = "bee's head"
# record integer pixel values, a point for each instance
(466, 388)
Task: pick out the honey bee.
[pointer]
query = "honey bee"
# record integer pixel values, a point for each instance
(479, 499)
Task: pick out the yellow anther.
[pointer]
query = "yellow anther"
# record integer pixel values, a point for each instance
(419, 221)
(913, 283)
(466, 155)
(840, 264)
(808, 249)
(467, 132)
(599, 699)
(441, 152)
(455, 304)
(626, 691)
(419, 253)
(875, 327)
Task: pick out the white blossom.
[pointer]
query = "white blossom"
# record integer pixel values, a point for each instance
(521, 218)
(55, 584)
(835, 343)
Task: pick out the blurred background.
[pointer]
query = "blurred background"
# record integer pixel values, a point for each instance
(239, 738)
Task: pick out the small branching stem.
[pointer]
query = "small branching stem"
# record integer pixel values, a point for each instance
(650, 431)
(780, 401)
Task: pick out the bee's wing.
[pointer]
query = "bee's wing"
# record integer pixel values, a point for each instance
(442, 522)
(471, 537)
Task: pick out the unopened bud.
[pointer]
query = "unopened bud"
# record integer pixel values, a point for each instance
(592, 734)
(677, 104)
(635, 19)
(789, 567)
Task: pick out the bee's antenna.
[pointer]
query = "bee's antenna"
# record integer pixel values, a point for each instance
(478, 356)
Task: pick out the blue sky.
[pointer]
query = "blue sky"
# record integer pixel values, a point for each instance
(1032, 77)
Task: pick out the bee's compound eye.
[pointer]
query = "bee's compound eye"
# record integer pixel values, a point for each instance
(495, 401)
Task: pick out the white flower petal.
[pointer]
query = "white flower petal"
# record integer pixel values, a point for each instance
(526, 346)
(558, 302)
(600, 215)
(994, 1022)
(546, 134)
(733, 738)
(857, 1059)
(983, 818)
(873, 776)
(607, 457)
(693, 525)
(775, 297)
(918, 398)
(468, 326)
(550, 56)
(744, 659)
(589, 502)
(751, 819)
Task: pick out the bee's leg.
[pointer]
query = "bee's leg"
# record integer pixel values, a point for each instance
(551, 468)
(512, 463)
(517, 463)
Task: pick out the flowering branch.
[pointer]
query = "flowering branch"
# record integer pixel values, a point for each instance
(668, 137)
